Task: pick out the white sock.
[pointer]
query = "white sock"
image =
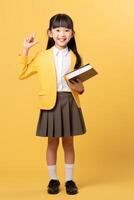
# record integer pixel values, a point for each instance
(52, 172)
(69, 168)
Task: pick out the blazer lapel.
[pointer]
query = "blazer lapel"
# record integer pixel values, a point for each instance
(73, 60)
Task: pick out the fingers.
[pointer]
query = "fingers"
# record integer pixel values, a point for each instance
(75, 81)
(78, 80)
(30, 38)
(72, 81)
(35, 42)
(70, 84)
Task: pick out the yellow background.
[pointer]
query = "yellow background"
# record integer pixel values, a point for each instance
(104, 156)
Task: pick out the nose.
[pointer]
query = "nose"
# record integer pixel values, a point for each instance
(62, 33)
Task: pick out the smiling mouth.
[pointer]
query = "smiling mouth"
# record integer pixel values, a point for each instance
(61, 40)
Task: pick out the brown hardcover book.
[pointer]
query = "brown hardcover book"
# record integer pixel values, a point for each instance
(83, 73)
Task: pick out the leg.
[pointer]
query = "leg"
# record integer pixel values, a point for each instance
(51, 157)
(51, 154)
(68, 146)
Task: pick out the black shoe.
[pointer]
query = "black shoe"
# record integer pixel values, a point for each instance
(71, 187)
(53, 186)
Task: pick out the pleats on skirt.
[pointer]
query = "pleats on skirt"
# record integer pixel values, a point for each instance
(65, 119)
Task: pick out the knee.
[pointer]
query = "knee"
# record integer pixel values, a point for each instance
(53, 143)
(67, 144)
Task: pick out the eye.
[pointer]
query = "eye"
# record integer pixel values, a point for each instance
(67, 30)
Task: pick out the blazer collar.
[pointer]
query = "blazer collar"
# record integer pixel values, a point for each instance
(57, 51)
(72, 57)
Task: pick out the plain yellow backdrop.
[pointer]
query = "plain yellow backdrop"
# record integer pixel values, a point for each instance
(105, 38)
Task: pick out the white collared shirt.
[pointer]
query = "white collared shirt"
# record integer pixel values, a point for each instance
(62, 63)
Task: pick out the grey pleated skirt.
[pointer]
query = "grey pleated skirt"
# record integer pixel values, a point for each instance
(65, 119)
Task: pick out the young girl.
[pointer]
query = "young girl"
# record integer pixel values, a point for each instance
(60, 110)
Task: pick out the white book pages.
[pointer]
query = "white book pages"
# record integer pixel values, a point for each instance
(81, 70)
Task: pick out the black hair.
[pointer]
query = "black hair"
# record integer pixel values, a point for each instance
(63, 20)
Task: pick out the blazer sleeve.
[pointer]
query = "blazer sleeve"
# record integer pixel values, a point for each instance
(26, 68)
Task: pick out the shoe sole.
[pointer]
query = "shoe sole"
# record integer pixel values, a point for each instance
(72, 193)
(50, 192)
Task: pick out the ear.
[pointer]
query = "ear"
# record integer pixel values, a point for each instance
(73, 33)
(49, 33)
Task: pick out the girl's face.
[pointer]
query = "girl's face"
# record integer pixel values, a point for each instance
(61, 36)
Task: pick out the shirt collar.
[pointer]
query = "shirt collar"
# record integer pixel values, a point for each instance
(63, 51)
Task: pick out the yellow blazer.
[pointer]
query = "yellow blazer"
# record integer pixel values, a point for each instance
(43, 65)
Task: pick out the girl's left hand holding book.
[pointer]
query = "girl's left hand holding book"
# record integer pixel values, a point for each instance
(76, 86)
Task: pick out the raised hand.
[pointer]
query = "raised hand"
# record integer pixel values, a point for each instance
(29, 41)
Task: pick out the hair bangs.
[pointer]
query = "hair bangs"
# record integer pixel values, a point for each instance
(62, 20)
